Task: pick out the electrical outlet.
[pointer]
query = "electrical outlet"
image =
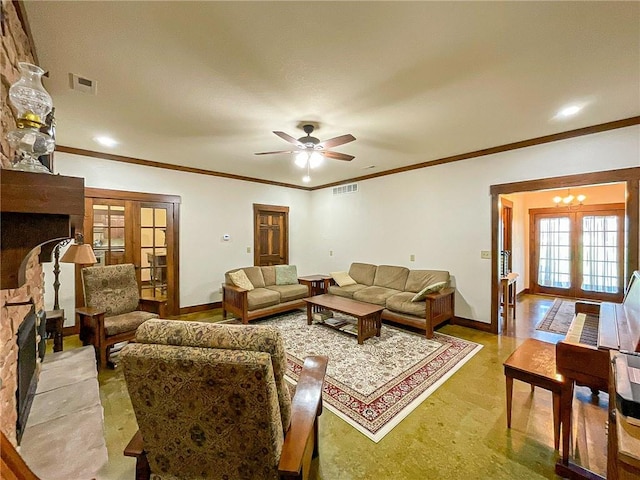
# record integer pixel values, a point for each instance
(486, 254)
(412, 258)
(331, 253)
(248, 249)
(220, 290)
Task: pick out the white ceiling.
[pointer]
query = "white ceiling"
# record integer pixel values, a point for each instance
(203, 84)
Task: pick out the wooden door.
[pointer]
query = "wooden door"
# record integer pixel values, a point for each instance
(578, 253)
(506, 237)
(271, 235)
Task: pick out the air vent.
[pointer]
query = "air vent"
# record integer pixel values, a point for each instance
(342, 189)
(82, 84)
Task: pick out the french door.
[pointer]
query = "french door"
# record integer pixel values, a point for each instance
(578, 253)
(137, 228)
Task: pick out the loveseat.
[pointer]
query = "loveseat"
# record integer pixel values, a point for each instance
(421, 299)
(270, 290)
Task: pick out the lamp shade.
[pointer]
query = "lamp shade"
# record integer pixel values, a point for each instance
(81, 254)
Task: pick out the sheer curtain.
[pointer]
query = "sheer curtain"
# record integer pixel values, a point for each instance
(600, 252)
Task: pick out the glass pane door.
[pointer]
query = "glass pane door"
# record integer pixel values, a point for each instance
(554, 254)
(108, 234)
(154, 268)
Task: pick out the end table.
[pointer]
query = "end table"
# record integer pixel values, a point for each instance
(55, 324)
(318, 284)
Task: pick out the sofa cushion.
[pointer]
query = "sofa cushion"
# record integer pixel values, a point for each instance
(126, 322)
(269, 275)
(347, 291)
(401, 303)
(255, 276)
(290, 292)
(433, 288)
(241, 280)
(262, 297)
(418, 279)
(376, 295)
(342, 279)
(286, 275)
(363, 273)
(390, 276)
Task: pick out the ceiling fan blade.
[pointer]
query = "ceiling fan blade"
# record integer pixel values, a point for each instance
(289, 138)
(334, 142)
(279, 151)
(337, 155)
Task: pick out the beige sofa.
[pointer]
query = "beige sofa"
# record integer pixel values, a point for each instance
(266, 297)
(394, 287)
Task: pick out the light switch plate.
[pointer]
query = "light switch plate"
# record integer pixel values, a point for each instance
(486, 254)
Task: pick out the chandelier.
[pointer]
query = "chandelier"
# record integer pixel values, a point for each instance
(569, 199)
(33, 104)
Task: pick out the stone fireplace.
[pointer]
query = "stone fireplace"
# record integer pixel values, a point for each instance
(17, 304)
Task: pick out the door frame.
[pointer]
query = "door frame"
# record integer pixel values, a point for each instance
(630, 176)
(259, 209)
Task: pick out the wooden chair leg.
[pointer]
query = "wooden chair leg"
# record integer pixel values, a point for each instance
(556, 420)
(509, 399)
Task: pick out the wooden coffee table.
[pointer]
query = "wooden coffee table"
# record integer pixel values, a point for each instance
(367, 314)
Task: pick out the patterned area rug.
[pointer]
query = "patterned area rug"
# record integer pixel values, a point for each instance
(375, 385)
(558, 317)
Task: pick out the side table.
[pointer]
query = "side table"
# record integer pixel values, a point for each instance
(55, 324)
(318, 284)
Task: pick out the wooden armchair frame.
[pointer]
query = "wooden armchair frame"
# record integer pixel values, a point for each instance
(301, 440)
(92, 331)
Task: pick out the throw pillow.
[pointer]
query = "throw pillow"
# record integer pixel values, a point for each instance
(342, 279)
(434, 287)
(286, 275)
(241, 280)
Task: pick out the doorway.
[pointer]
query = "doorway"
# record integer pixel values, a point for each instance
(270, 235)
(137, 228)
(578, 253)
(628, 177)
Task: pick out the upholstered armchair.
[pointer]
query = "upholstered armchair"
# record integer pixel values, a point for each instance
(212, 403)
(113, 308)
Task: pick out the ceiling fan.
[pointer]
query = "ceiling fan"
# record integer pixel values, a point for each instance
(311, 144)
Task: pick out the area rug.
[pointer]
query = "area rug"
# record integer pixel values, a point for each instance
(375, 385)
(558, 318)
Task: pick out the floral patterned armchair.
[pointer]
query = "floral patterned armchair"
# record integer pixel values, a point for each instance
(212, 403)
(113, 308)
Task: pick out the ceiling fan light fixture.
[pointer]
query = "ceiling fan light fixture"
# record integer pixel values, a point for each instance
(315, 159)
(301, 159)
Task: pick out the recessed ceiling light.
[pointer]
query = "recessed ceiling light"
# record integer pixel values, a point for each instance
(306, 179)
(106, 141)
(368, 167)
(569, 111)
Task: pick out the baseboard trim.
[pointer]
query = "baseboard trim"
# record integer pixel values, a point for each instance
(200, 308)
(467, 322)
(522, 293)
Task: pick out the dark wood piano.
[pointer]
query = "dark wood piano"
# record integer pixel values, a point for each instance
(583, 356)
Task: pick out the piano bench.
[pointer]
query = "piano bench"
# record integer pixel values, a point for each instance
(534, 362)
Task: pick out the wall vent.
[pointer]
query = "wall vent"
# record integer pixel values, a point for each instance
(348, 188)
(82, 84)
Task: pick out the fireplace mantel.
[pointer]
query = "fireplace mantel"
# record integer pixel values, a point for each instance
(36, 208)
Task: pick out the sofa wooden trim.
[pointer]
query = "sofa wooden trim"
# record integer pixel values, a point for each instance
(234, 301)
(92, 331)
(301, 439)
(439, 307)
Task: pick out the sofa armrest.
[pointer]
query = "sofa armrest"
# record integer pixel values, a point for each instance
(442, 293)
(90, 312)
(234, 300)
(300, 442)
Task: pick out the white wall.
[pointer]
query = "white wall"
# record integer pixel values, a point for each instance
(442, 214)
(210, 208)
(439, 214)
